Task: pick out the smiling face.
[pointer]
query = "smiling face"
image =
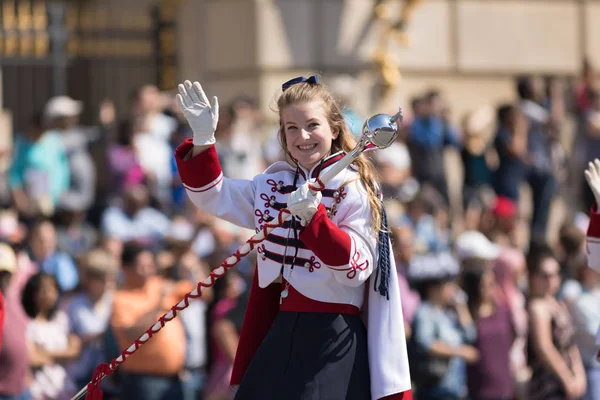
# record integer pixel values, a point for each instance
(308, 134)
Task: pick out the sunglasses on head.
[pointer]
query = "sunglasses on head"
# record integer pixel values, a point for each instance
(313, 80)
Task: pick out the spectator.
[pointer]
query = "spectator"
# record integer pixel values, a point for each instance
(510, 271)
(395, 168)
(443, 331)
(511, 146)
(123, 163)
(403, 243)
(61, 115)
(490, 377)
(506, 222)
(430, 134)
(8, 264)
(153, 371)
(238, 153)
(147, 108)
(135, 220)
(14, 356)
(540, 174)
(89, 312)
(39, 173)
(572, 243)
(152, 143)
(428, 237)
(191, 268)
(476, 155)
(44, 252)
(52, 345)
(74, 234)
(557, 369)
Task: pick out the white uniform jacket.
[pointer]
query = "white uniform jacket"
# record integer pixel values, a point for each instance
(334, 256)
(593, 250)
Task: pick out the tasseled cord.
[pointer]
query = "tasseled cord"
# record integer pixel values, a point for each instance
(381, 283)
(94, 392)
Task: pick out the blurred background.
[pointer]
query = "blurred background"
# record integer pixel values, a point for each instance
(484, 188)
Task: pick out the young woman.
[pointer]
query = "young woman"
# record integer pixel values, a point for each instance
(303, 337)
(557, 369)
(52, 346)
(511, 280)
(490, 377)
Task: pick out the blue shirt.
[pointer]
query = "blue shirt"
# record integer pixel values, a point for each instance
(433, 132)
(428, 138)
(147, 225)
(427, 235)
(62, 267)
(432, 323)
(41, 167)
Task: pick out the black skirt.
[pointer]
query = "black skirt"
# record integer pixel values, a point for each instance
(310, 356)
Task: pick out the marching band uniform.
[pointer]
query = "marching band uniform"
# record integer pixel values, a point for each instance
(311, 286)
(593, 250)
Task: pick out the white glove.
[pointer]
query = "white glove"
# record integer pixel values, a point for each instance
(200, 115)
(303, 203)
(592, 175)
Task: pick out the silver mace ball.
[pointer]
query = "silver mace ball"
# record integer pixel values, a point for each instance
(379, 132)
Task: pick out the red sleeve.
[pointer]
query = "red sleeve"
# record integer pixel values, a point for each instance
(594, 226)
(399, 396)
(1, 318)
(263, 306)
(593, 239)
(328, 241)
(199, 171)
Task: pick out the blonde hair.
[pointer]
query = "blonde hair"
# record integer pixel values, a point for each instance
(307, 92)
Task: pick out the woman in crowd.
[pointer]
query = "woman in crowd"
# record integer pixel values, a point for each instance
(52, 346)
(490, 377)
(557, 370)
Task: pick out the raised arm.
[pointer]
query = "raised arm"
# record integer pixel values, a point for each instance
(199, 167)
(592, 175)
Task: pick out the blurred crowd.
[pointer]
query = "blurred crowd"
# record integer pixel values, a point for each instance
(98, 240)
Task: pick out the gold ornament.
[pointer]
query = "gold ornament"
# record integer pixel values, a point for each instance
(395, 30)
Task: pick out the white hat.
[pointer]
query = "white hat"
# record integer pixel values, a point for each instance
(8, 259)
(396, 155)
(432, 266)
(62, 106)
(474, 244)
